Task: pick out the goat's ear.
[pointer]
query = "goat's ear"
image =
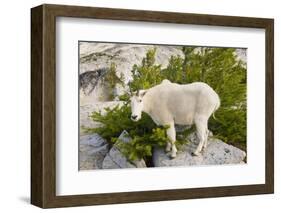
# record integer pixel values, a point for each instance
(142, 93)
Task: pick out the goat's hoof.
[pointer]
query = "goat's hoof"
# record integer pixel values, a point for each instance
(167, 150)
(205, 147)
(173, 155)
(195, 153)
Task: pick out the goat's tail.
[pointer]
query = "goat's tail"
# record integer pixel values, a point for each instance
(215, 109)
(214, 116)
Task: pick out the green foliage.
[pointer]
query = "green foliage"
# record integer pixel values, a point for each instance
(226, 74)
(124, 97)
(141, 144)
(147, 74)
(111, 79)
(230, 126)
(113, 121)
(218, 67)
(144, 133)
(175, 71)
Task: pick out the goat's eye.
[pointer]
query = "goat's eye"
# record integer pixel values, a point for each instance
(140, 100)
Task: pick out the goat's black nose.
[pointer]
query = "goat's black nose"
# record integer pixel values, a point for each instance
(134, 116)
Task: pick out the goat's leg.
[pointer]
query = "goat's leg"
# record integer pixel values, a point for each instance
(168, 146)
(201, 126)
(206, 140)
(171, 133)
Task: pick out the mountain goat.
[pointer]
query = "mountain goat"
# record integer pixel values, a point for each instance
(170, 103)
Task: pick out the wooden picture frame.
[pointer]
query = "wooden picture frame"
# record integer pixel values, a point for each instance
(43, 105)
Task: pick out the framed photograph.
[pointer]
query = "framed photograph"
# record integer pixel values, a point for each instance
(136, 106)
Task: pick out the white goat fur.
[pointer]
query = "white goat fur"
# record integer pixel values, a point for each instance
(170, 103)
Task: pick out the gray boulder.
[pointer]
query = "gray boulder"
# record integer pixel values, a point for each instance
(92, 150)
(115, 159)
(216, 153)
(88, 109)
